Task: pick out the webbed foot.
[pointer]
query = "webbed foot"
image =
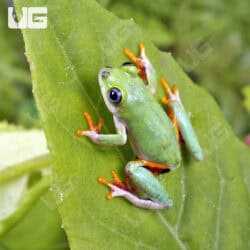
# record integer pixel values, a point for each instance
(117, 186)
(93, 128)
(173, 95)
(145, 68)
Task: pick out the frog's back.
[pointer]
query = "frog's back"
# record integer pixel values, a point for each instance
(151, 133)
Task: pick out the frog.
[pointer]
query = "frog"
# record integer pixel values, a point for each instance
(155, 130)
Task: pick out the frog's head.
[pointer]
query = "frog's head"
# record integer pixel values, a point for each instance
(117, 84)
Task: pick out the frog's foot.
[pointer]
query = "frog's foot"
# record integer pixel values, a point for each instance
(117, 186)
(145, 68)
(118, 189)
(140, 61)
(172, 96)
(93, 128)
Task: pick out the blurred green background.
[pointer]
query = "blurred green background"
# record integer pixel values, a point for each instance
(16, 101)
(211, 41)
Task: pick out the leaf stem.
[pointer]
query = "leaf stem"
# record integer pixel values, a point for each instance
(29, 199)
(24, 167)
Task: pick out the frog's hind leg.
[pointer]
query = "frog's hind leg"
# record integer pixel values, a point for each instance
(142, 179)
(147, 183)
(145, 68)
(182, 121)
(166, 101)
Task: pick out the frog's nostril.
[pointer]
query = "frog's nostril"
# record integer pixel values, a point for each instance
(108, 67)
(105, 74)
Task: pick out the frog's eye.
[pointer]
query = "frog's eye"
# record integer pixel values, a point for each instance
(115, 95)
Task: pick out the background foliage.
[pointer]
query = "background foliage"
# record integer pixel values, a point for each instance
(210, 40)
(16, 101)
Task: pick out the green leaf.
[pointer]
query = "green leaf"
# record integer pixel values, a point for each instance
(15, 147)
(24, 206)
(211, 198)
(40, 229)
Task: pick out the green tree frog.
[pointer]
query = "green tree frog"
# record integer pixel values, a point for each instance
(155, 135)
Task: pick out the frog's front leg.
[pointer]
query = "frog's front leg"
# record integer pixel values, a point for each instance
(145, 68)
(181, 120)
(120, 138)
(155, 195)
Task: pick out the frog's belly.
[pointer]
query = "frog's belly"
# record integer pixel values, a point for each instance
(157, 148)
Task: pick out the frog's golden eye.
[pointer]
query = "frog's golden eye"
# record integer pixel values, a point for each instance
(115, 95)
